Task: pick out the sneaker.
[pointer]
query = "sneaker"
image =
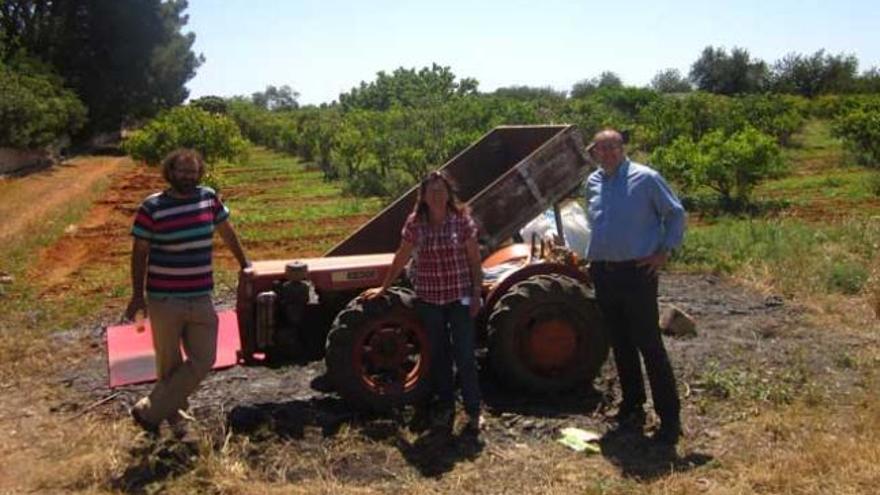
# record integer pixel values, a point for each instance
(667, 435)
(150, 428)
(178, 424)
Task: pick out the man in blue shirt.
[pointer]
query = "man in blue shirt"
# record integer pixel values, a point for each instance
(635, 221)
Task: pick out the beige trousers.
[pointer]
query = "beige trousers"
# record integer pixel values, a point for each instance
(190, 321)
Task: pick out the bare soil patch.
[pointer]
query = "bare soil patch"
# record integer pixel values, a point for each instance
(102, 237)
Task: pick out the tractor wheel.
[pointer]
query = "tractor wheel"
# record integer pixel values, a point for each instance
(546, 335)
(378, 354)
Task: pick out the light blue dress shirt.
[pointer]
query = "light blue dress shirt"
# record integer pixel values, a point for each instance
(632, 214)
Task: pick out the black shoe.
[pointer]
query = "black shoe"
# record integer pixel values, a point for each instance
(150, 428)
(475, 423)
(421, 419)
(442, 419)
(667, 435)
(629, 418)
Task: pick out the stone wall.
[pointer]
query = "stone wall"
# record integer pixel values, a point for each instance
(13, 160)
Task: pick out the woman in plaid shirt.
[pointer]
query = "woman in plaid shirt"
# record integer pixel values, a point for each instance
(448, 277)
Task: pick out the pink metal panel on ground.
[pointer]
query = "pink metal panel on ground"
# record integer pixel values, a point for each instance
(130, 354)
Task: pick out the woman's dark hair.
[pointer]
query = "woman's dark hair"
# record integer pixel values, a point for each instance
(182, 155)
(452, 202)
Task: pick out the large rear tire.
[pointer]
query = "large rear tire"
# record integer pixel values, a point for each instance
(378, 352)
(546, 335)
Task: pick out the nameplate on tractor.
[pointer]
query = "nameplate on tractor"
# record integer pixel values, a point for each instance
(354, 275)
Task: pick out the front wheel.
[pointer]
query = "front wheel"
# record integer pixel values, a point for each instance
(546, 335)
(378, 353)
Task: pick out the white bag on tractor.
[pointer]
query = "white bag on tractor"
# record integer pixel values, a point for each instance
(574, 227)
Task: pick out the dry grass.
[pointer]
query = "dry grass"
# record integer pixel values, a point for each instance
(872, 288)
(799, 449)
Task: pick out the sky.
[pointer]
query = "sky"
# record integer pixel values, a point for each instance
(322, 48)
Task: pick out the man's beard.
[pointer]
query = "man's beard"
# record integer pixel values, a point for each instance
(184, 187)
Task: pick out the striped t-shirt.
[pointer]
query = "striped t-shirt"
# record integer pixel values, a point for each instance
(180, 231)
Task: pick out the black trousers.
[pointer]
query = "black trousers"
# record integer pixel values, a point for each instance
(627, 296)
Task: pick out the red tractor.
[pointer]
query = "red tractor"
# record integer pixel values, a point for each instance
(539, 320)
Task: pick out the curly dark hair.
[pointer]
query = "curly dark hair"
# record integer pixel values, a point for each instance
(182, 155)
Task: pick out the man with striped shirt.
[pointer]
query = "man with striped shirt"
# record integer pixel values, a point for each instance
(172, 261)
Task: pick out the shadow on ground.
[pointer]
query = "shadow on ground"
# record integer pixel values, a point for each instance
(640, 458)
(155, 462)
(433, 452)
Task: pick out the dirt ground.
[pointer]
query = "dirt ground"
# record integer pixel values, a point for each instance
(752, 350)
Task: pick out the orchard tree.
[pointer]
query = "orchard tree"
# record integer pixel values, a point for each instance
(860, 131)
(529, 93)
(868, 82)
(670, 81)
(816, 74)
(35, 109)
(717, 72)
(280, 98)
(730, 165)
(605, 80)
(211, 104)
(216, 137)
(408, 88)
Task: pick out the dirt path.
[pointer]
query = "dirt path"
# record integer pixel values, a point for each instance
(32, 199)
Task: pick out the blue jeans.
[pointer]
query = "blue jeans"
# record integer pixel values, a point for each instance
(442, 322)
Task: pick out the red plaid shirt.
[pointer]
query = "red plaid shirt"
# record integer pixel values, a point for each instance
(440, 265)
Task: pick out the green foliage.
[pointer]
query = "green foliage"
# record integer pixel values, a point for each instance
(664, 119)
(860, 130)
(874, 184)
(739, 384)
(796, 257)
(211, 104)
(868, 82)
(730, 165)
(779, 116)
(737, 73)
(280, 98)
(125, 59)
(670, 81)
(816, 74)
(628, 101)
(529, 93)
(216, 137)
(605, 80)
(592, 115)
(385, 152)
(691, 116)
(408, 88)
(846, 277)
(36, 109)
